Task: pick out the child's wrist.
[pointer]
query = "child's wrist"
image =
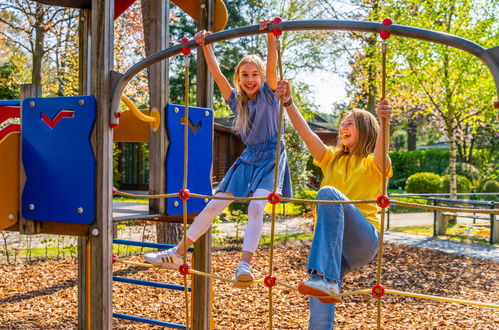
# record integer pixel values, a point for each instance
(288, 102)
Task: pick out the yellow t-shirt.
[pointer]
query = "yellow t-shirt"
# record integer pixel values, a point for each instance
(360, 181)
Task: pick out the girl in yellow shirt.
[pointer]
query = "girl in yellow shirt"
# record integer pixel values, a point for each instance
(346, 236)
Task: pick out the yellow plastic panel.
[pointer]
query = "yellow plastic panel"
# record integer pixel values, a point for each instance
(9, 179)
(191, 8)
(131, 129)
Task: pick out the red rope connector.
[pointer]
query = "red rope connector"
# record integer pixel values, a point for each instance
(269, 281)
(114, 190)
(276, 30)
(183, 269)
(383, 201)
(385, 34)
(378, 290)
(117, 114)
(184, 194)
(496, 104)
(185, 51)
(115, 258)
(274, 198)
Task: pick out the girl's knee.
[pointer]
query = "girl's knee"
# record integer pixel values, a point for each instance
(256, 206)
(328, 193)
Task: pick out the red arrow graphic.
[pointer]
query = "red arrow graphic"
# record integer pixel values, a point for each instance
(62, 114)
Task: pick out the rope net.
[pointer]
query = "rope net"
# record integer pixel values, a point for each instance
(270, 281)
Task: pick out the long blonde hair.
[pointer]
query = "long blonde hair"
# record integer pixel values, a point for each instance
(242, 123)
(367, 132)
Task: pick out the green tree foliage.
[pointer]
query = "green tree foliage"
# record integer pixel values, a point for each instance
(463, 184)
(455, 87)
(9, 85)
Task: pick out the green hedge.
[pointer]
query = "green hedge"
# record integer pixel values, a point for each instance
(406, 163)
(424, 182)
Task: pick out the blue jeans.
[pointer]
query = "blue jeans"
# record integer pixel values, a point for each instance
(343, 241)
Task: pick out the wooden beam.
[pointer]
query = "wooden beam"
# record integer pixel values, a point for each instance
(27, 227)
(101, 64)
(83, 89)
(201, 287)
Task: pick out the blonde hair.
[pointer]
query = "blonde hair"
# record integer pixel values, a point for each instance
(242, 123)
(367, 132)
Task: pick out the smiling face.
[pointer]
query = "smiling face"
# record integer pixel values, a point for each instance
(349, 133)
(250, 79)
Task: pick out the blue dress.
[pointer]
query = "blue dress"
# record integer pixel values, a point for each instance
(254, 169)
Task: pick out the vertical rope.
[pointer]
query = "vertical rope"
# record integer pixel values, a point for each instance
(276, 170)
(384, 134)
(184, 185)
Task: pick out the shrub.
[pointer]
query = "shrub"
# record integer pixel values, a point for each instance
(239, 206)
(407, 209)
(491, 186)
(305, 194)
(463, 184)
(424, 182)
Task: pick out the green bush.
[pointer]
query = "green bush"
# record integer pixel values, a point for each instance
(491, 186)
(424, 182)
(407, 163)
(407, 209)
(239, 206)
(463, 184)
(305, 194)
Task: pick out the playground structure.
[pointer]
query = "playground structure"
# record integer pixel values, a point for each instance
(106, 88)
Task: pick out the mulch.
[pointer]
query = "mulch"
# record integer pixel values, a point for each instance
(43, 295)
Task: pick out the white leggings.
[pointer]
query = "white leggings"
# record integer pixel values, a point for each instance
(255, 219)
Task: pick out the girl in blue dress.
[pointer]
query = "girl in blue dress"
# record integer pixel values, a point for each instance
(256, 108)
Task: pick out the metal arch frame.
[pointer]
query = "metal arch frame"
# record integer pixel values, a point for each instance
(489, 56)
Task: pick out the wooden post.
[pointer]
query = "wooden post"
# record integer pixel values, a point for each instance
(27, 227)
(201, 288)
(83, 89)
(101, 64)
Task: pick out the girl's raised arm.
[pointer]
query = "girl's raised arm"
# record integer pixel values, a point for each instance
(314, 144)
(211, 61)
(271, 70)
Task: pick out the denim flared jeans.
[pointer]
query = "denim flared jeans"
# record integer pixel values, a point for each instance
(343, 240)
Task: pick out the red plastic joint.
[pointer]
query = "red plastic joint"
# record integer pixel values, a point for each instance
(496, 104)
(114, 190)
(183, 269)
(387, 21)
(115, 258)
(185, 51)
(274, 198)
(276, 31)
(114, 125)
(117, 114)
(269, 281)
(385, 34)
(184, 194)
(383, 201)
(378, 290)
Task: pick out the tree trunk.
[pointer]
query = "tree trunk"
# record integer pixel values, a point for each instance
(411, 134)
(39, 51)
(452, 166)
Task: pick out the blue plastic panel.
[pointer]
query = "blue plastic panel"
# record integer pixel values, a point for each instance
(199, 157)
(58, 159)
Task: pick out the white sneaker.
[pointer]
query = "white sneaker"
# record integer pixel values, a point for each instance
(168, 258)
(244, 273)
